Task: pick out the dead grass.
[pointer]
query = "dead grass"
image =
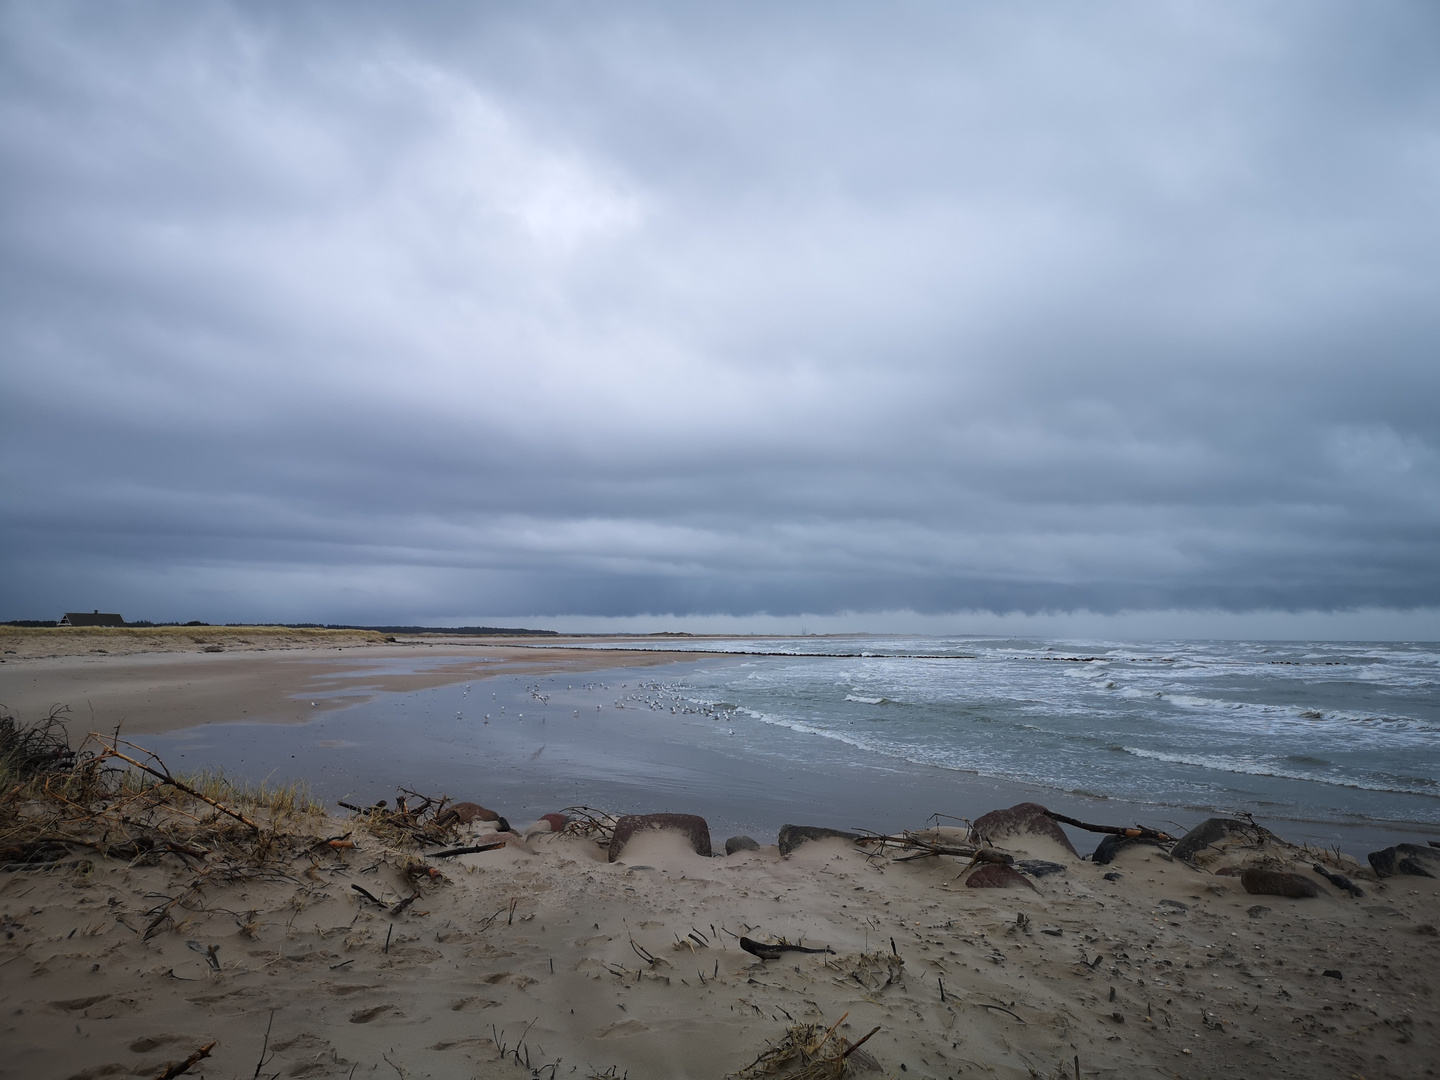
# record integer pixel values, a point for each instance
(805, 1052)
(114, 799)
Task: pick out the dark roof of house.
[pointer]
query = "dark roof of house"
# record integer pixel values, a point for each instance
(91, 618)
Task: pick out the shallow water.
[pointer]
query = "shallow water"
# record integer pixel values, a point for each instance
(1336, 743)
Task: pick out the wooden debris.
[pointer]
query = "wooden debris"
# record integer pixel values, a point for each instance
(180, 1068)
(773, 952)
(1137, 832)
(473, 849)
(806, 1052)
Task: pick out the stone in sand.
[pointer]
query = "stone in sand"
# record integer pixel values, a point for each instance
(1261, 882)
(546, 823)
(463, 813)
(1022, 819)
(792, 836)
(1112, 845)
(691, 826)
(995, 876)
(1406, 859)
(740, 843)
(1212, 832)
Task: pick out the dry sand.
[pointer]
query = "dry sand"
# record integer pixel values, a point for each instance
(1167, 971)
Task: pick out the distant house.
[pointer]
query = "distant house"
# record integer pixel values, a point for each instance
(90, 618)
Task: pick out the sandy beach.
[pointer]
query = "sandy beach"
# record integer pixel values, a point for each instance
(150, 682)
(543, 958)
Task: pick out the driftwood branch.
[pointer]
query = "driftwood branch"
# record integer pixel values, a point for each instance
(163, 775)
(182, 1067)
(856, 1045)
(472, 850)
(773, 952)
(1138, 831)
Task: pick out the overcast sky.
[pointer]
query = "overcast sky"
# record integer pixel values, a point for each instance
(864, 313)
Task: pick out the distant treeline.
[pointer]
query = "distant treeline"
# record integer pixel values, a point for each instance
(469, 631)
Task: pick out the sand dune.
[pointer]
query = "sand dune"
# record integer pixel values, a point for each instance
(533, 960)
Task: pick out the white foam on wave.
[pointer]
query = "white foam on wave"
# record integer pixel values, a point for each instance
(1191, 701)
(1252, 767)
(865, 700)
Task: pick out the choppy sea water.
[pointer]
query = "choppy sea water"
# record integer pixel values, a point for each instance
(1323, 732)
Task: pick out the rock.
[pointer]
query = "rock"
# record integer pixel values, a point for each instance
(1112, 845)
(1257, 911)
(740, 843)
(1278, 883)
(1039, 867)
(1212, 831)
(792, 836)
(1332, 973)
(546, 823)
(1113, 875)
(691, 826)
(1230, 871)
(463, 813)
(1176, 904)
(1340, 881)
(1406, 859)
(1022, 819)
(995, 876)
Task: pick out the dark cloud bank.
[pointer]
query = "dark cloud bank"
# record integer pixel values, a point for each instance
(360, 314)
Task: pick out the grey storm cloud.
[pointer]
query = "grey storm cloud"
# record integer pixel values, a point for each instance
(350, 312)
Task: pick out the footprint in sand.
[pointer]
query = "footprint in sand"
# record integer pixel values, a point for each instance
(145, 1044)
(76, 1004)
(624, 1028)
(473, 1003)
(364, 1016)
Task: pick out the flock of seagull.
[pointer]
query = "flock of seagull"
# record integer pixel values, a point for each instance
(657, 697)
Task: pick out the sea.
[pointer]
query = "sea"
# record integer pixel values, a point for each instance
(1336, 743)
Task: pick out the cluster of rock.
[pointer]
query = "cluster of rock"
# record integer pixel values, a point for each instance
(1227, 847)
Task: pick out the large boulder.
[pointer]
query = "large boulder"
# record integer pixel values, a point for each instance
(1406, 859)
(995, 876)
(1218, 832)
(691, 826)
(1261, 882)
(792, 836)
(1022, 819)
